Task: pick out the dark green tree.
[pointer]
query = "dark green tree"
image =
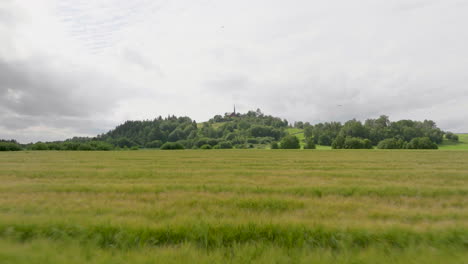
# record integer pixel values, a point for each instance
(290, 142)
(309, 143)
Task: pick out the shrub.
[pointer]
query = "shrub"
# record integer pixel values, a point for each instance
(224, 145)
(325, 140)
(213, 141)
(274, 145)
(85, 146)
(238, 140)
(451, 136)
(187, 143)
(9, 146)
(339, 142)
(265, 140)
(392, 143)
(54, 146)
(206, 141)
(357, 143)
(309, 144)
(124, 142)
(422, 143)
(206, 146)
(39, 146)
(367, 143)
(70, 145)
(265, 131)
(231, 136)
(154, 144)
(135, 148)
(290, 142)
(252, 141)
(351, 143)
(172, 146)
(100, 145)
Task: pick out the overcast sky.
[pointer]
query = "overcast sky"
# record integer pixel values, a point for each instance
(79, 67)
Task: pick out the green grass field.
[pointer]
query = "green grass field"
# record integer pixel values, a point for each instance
(462, 143)
(236, 206)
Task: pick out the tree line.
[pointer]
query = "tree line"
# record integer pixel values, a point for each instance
(380, 132)
(253, 129)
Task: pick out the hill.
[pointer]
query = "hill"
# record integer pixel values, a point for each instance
(254, 129)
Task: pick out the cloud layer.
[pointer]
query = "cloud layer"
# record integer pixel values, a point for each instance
(80, 67)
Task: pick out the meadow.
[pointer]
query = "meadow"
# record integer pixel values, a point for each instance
(236, 206)
(462, 144)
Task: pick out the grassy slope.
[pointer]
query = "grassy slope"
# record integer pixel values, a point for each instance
(239, 205)
(462, 143)
(299, 133)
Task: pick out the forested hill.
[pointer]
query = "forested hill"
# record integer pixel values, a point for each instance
(224, 131)
(255, 130)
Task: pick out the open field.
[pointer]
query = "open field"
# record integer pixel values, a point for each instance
(238, 206)
(462, 143)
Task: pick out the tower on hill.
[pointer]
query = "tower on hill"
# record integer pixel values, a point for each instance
(234, 113)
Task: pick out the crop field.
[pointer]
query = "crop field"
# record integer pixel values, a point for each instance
(234, 206)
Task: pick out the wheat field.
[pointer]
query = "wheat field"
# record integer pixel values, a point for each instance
(237, 206)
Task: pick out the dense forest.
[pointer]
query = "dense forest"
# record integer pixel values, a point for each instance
(253, 130)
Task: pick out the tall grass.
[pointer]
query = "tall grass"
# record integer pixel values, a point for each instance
(222, 235)
(70, 252)
(344, 206)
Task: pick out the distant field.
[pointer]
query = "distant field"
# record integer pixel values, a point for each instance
(234, 206)
(460, 145)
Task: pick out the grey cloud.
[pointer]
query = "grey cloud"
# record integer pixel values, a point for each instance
(31, 88)
(229, 84)
(409, 6)
(134, 57)
(35, 93)
(5, 16)
(340, 97)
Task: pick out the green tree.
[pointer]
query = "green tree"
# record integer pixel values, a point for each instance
(9, 146)
(339, 142)
(309, 143)
(154, 144)
(225, 145)
(451, 136)
(325, 140)
(39, 146)
(308, 131)
(172, 146)
(176, 135)
(392, 143)
(290, 142)
(422, 143)
(354, 128)
(274, 145)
